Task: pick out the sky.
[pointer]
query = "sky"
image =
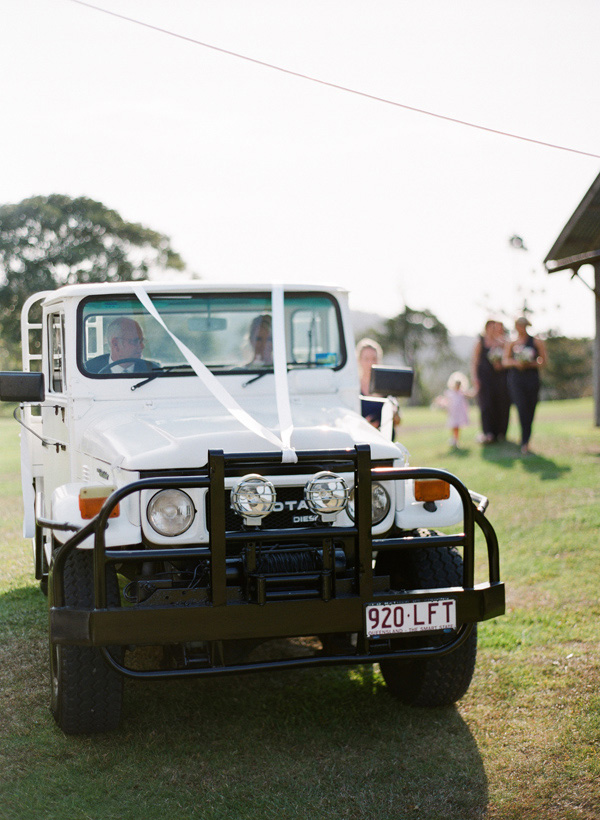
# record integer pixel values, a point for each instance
(259, 176)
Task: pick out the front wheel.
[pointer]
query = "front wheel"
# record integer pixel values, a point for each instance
(434, 681)
(86, 694)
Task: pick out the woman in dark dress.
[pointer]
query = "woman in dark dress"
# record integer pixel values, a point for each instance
(489, 380)
(524, 357)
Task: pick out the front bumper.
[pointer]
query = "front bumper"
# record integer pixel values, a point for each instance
(226, 611)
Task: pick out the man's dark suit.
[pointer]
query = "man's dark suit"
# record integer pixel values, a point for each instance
(98, 363)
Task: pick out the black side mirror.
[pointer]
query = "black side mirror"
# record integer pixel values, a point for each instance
(391, 381)
(22, 387)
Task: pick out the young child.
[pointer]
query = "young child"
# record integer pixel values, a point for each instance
(457, 404)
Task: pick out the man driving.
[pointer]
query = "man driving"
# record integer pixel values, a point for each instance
(126, 342)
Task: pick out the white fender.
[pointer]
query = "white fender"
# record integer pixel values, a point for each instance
(65, 509)
(413, 514)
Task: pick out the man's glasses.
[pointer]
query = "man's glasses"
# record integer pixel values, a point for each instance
(137, 341)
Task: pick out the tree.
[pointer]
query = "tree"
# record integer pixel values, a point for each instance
(48, 241)
(568, 374)
(424, 344)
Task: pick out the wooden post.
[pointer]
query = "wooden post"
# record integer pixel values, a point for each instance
(597, 345)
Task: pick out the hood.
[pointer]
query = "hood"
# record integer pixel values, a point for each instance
(173, 438)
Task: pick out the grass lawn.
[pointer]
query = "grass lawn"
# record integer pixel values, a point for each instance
(331, 743)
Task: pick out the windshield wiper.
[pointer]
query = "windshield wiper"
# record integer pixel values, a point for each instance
(267, 372)
(157, 371)
(257, 377)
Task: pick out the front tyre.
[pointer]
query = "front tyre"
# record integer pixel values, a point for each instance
(86, 694)
(435, 681)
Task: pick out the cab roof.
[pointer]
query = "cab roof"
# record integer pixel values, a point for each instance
(188, 286)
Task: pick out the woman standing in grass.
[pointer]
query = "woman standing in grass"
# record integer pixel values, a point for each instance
(489, 381)
(524, 357)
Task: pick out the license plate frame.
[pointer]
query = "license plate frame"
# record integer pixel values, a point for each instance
(410, 617)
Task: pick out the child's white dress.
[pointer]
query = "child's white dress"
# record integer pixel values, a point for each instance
(458, 408)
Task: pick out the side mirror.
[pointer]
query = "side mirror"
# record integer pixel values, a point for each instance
(22, 387)
(391, 381)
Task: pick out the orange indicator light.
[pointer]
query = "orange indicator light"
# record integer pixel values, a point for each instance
(91, 500)
(431, 489)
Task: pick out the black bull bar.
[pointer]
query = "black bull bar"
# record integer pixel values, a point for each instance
(219, 618)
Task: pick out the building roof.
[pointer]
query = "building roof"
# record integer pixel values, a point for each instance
(579, 241)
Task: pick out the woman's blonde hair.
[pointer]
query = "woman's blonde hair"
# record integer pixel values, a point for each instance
(259, 323)
(365, 344)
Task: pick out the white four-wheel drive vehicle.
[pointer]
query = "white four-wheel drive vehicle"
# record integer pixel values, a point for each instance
(198, 478)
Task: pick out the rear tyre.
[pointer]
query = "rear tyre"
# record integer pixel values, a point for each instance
(436, 681)
(86, 694)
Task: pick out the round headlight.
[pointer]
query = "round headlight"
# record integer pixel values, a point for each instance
(326, 493)
(380, 503)
(253, 496)
(170, 512)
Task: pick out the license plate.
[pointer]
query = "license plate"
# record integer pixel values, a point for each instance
(416, 616)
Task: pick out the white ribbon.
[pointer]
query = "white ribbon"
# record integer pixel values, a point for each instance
(224, 397)
(282, 393)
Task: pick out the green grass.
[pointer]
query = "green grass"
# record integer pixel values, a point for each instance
(523, 743)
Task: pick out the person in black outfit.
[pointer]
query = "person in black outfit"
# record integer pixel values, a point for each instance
(524, 357)
(489, 381)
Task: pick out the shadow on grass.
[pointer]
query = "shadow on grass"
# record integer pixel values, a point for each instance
(507, 454)
(320, 743)
(331, 743)
(458, 452)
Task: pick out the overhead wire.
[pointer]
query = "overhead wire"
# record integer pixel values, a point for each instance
(336, 86)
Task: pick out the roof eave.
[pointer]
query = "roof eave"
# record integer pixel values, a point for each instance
(554, 260)
(571, 262)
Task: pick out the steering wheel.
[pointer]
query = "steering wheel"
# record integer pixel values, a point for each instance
(108, 367)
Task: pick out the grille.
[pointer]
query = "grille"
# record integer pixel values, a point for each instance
(291, 511)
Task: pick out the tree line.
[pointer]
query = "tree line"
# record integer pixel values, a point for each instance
(49, 241)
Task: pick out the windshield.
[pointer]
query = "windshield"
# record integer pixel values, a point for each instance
(229, 334)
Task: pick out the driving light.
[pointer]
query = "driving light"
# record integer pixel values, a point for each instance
(380, 503)
(253, 497)
(326, 494)
(170, 512)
